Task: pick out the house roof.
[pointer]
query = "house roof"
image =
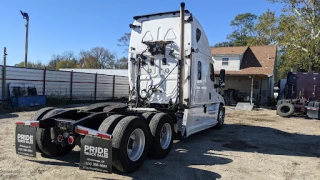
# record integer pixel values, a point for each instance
(228, 50)
(257, 60)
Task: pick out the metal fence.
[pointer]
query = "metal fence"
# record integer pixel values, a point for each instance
(63, 84)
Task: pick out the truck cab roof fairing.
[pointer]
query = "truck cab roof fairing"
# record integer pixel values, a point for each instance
(158, 14)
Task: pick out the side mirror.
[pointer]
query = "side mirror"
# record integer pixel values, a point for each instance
(222, 78)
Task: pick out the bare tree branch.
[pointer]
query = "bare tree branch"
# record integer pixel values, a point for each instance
(317, 35)
(297, 46)
(297, 12)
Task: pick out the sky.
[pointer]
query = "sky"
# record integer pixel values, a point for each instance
(73, 25)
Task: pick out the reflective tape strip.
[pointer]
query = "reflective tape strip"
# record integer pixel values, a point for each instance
(87, 131)
(20, 123)
(315, 109)
(28, 123)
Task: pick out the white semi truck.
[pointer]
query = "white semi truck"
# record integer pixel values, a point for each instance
(172, 91)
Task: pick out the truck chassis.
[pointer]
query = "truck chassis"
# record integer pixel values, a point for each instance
(134, 132)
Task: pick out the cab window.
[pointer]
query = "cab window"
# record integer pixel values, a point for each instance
(198, 34)
(199, 70)
(211, 72)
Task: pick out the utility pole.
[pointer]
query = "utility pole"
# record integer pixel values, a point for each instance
(26, 16)
(4, 73)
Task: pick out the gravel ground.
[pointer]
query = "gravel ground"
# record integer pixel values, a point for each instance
(252, 145)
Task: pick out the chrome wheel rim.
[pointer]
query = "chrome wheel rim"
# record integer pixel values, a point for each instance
(165, 136)
(136, 144)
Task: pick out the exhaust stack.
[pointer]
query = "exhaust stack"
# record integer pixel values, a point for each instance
(182, 70)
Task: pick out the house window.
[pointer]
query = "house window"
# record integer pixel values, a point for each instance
(199, 70)
(256, 84)
(225, 61)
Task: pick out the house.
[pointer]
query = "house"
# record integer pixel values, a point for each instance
(248, 69)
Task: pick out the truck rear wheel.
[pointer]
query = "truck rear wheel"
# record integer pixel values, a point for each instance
(38, 115)
(130, 144)
(108, 125)
(285, 109)
(161, 131)
(220, 119)
(148, 116)
(44, 139)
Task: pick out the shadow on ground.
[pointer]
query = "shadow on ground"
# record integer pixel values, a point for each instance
(7, 116)
(182, 163)
(72, 159)
(265, 140)
(189, 156)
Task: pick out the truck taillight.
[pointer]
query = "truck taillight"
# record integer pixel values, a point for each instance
(70, 140)
(59, 138)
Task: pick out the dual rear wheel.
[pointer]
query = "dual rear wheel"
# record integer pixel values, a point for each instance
(134, 137)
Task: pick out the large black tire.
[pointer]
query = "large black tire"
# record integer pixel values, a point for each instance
(108, 125)
(159, 127)
(121, 136)
(148, 116)
(104, 104)
(39, 115)
(100, 104)
(221, 115)
(285, 110)
(44, 139)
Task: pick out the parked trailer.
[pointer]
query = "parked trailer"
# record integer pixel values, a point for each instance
(172, 91)
(302, 95)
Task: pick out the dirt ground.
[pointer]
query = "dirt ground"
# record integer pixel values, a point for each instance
(252, 145)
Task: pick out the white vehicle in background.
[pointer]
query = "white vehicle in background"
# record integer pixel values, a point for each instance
(172, 90)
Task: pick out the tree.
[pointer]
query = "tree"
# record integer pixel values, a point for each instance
(244, 29)
(122, 63)
(300, 31)
(223, 44)
(98, 57)
(124, 41)
(266, 29)
(37, 65)
(56, 58)
(73, 63)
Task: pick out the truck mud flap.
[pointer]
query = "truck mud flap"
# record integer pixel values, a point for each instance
(96, 150)
(25, 140)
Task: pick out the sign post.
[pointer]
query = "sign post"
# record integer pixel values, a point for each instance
(4, 73)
